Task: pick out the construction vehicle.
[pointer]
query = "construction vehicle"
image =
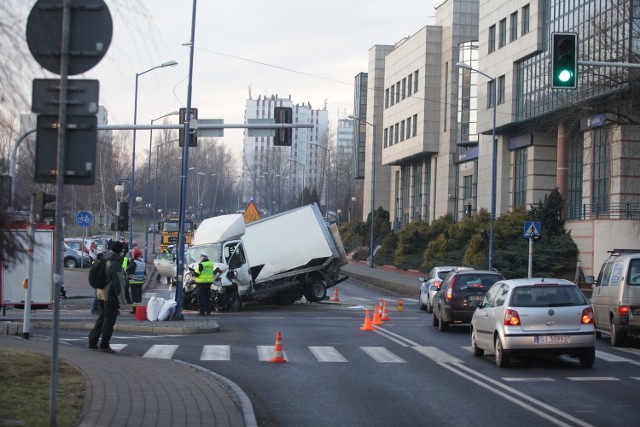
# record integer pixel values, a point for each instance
(169, 228)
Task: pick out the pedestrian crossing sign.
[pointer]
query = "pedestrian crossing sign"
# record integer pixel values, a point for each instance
(531, 229)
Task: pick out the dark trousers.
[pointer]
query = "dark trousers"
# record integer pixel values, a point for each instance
(104, 323)
(204, 297)
(136, 293)
(127, 295)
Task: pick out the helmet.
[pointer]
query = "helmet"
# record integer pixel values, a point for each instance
(137, 253)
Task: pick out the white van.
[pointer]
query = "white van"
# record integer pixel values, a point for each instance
(616, 295)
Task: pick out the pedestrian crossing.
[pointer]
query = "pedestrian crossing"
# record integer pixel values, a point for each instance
(330, 354)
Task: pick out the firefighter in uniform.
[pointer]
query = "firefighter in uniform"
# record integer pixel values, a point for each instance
(136, 273)
(204, 279)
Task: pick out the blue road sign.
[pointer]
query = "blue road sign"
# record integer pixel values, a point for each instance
(84, 218)
(532, 229)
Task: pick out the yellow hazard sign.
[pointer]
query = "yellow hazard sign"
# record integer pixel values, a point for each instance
(251, 213)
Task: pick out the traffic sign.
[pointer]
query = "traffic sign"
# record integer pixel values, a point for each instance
(84, 218)
(532, 229)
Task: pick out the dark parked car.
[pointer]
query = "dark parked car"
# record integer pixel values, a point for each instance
(461, 292)
(74, 258)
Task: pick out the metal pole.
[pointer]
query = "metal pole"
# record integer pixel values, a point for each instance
(31, 232)
(155, 191)
(146, 226)
(132, 196)
(530, 270)
(185, 164)
(494, 169)
(373, 192)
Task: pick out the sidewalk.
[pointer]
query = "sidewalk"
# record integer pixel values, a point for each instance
(134, 391)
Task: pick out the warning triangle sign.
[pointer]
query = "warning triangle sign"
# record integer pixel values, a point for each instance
(251, 213)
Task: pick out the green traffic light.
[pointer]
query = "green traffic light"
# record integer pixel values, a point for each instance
(565, 76)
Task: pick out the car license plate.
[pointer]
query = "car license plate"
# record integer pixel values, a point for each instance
(476, 298)
(552, 339)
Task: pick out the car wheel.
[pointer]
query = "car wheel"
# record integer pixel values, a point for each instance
(420, 305)
(477, 351)
(429, 307)
(588, 358)
(443, 326)
(598, 334)
(502, 356)
(435, 320)
(617, 336)
(70, 263)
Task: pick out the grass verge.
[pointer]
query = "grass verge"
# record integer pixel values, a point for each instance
(26, 386)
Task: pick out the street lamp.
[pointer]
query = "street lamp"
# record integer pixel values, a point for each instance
(352, 208)
(133, 156)
(339, 212)
(494, 160)
(373, 182)
(303, 173)
(146, 233)
(119, 189)
(328, 168)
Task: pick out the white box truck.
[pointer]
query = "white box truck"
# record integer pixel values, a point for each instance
(282, 257)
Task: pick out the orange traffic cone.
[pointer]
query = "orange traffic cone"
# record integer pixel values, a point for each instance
(376, 317)
(336, 297)
(278, 351)
(368, 326)
(385, 313)
(400, 305)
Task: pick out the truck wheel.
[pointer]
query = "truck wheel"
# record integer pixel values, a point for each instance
(617, 336)
(285, 298)
(233, 302)
(315, 291)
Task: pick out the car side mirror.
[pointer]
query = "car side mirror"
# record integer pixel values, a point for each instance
(421, 279)
(589, 280)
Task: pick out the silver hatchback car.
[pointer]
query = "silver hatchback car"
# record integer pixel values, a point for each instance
(534, 316)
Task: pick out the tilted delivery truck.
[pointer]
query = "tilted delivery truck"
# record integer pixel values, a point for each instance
(282, 257)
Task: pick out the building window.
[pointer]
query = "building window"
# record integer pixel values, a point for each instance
(402, 130)
(490, 93)
(386, 137)
(397, 132)
(404, 88)
(390, 136)
(409, 84)
(415, 81)
(391, 97)
(520, 177)
(467, 187)
(502, 33)
(525, 19)
(514, 27)
(408, 127)
(398, 92)
(386, 98)
(576, 162)
(600, 186)
(415, 125)
(501, 90)
(492, 38)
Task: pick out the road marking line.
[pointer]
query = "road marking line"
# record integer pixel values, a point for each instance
(265, 353)
(629, 350)
(160, 351)
(593, 379)
(117, 347)
(514, 396)
(516, 379)
(437, 355)
(327, 354)
(614, 358)
(398, 338)
(216, 352)
(382, 355)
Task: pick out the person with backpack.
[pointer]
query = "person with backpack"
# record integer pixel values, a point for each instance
(137, 274)
(110, 296)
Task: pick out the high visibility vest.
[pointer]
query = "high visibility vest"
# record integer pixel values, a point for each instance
(206, 272)
(137, 278)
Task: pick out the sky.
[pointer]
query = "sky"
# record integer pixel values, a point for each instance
(309, 50)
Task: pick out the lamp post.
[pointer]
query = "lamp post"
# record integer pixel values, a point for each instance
(494, 158)
(133, 156)
(303, 173)
(328, 151)
(119, 189)
(146, 233)
(155, 228)
(373, 183)
(353, 206)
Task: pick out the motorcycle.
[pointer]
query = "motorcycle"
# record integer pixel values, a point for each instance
(224, 294)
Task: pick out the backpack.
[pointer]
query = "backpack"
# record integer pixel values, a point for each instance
(98, 274)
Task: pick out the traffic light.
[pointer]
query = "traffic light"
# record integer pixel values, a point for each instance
(564, 60)
(41, 211)
(122, 221)
(283, 115)
(193, 138)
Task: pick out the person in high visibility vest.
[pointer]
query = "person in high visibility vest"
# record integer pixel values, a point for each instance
(137, 274)
(125, 267)
(204, 279)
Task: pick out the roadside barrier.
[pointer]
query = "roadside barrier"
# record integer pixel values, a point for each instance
(367, 326)
(278, 351)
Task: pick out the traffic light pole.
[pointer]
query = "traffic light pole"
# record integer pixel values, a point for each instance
(608, 64)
